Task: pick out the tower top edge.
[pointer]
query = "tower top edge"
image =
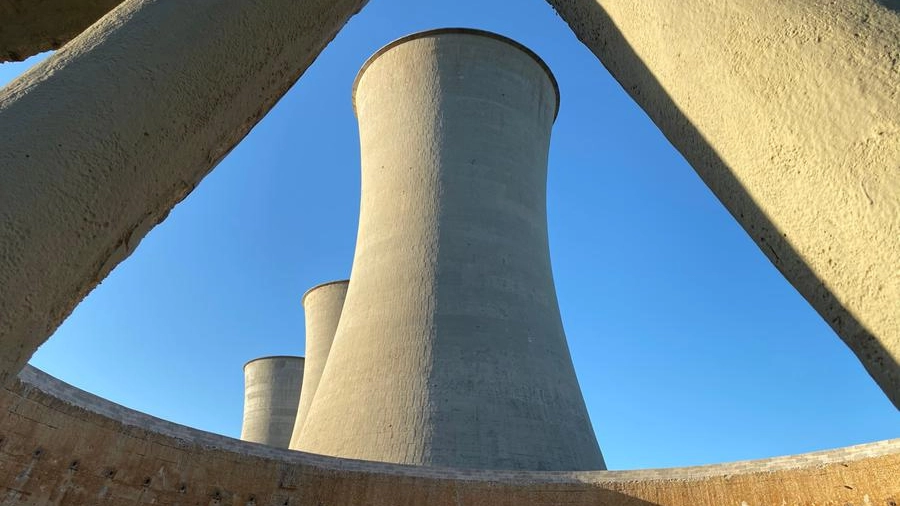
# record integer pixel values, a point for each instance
(322, 285)
(273, 357)
(462, 31)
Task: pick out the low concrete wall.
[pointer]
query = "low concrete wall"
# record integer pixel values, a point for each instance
(62, 446)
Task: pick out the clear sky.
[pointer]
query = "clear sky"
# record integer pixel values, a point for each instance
(690, 347)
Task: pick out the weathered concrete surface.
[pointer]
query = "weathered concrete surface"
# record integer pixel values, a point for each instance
(322, 306)
(62, 446)
(271, 396)
(450, 349)
(98, 142)
(29, 27)
(790, 112)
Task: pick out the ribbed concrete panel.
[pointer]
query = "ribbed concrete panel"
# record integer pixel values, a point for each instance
(271, 395)
(322, 305)
(450, 350)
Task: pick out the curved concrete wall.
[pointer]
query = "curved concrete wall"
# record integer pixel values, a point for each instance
(91, 162)
(271, 394)
(62, 446)
(789, 112)
(322, 306)
(450, 349)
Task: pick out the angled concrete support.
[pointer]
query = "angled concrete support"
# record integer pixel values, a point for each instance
(28, 27)
(98, 142)
(789, 112)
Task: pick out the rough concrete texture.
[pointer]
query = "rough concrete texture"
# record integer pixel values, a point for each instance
(271, 395)
(98, 142)
(790, 112)
(62, 446)
(322, 306)
(450, 349)
(28, 27)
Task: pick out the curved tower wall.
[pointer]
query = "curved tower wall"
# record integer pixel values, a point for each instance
(271, 394)
(450, 349)
(322, 307)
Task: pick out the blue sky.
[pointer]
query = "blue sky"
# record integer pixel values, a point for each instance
(690, 347)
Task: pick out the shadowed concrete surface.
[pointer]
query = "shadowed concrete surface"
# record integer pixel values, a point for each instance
(29, 27)
(790, 112)
(271, 395)
(322, 306)
(62, 446)
(450, 349)
(101, 140)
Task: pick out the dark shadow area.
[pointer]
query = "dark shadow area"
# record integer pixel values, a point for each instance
(596, 30)
(30, 27)
(890, 4)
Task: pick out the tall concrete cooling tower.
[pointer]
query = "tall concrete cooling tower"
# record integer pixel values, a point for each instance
(322, 305)
(450, 349)
(271, 395)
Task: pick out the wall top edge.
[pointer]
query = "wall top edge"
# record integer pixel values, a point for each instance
(34, 382)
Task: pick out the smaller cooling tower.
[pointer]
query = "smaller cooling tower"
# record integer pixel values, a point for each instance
(322, 305)
(271, 396)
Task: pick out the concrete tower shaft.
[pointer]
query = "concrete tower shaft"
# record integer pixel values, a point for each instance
(450, 349)
(271, 395)
(322, 305)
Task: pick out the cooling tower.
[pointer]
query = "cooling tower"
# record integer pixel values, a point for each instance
(322, 306)
(271, 394)
(450, 350)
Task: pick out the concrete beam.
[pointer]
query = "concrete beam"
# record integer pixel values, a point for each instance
(30, 27)
(101, 140)
(790, 112)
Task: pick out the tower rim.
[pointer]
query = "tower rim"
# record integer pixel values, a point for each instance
(463, 31)
(322, 285)
(270, 357)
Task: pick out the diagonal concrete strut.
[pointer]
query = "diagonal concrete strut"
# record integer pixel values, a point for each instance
(789, 112)
(101, 140)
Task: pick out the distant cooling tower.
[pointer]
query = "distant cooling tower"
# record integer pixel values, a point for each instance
(271, 394)
(322, 306)
(450, 349)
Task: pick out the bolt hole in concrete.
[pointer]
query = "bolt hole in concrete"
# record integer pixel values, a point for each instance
(687, 309)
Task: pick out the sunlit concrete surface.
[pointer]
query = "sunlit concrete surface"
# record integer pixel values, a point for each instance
(63, 446)
(271, 396)
(450, 349)
(790, 112)
(322, 305)
(82, 181)
(93, 153)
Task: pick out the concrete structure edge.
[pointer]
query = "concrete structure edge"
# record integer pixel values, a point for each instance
(35, 379)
